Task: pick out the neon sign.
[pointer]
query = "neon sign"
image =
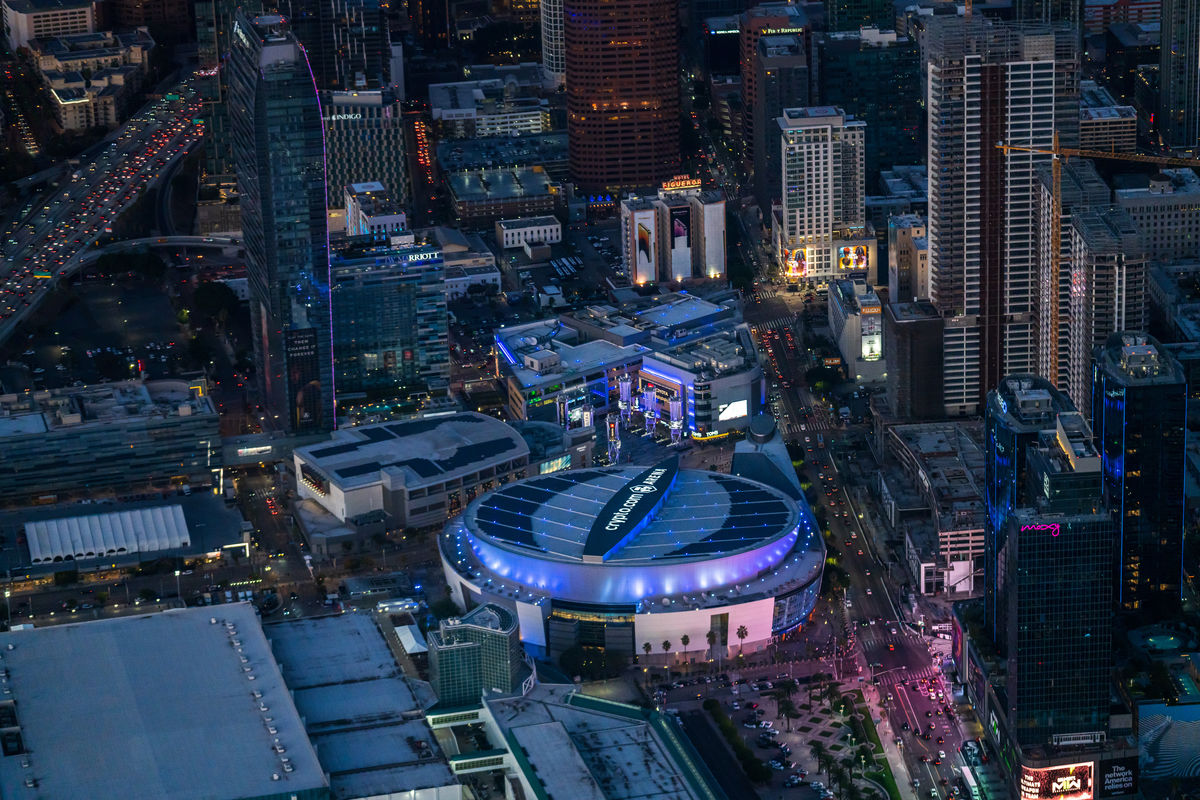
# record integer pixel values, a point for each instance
(1053, 527)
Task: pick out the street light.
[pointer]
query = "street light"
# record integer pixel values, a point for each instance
(8, 605)
(178, 593)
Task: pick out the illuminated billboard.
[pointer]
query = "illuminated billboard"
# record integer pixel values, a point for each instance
(1117, 778)
(1066, 782)
(735, 410)
(645, 245)
(796, 263)
(853, 258)
(681, 221)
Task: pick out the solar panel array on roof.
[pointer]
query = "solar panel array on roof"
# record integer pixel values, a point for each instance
(753, 514)
(375, 434)
(429, 467)
(508, 512)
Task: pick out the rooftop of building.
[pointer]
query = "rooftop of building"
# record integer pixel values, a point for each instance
(1109, 231)
(905, 181)
(908, 221)
(192, 699)
(527, 222)
(781, 45)
(411, 453)
(526, 74)
(488, 616)
(99, 44)
(1029, 402)
(1100, 113)
(573, 745)
(474, 95)
(915, 311)
(362, 715)
(803, 116)
(721, 353)
(695, 515)
(544, 351)
(856, 296)
(949, 457)
(1136, 359)
(1172, 184)
(490, 152)
(1136, 34)
(866, 37)
(83, 407)
(45, 6)
(372, 197)
(498, 184)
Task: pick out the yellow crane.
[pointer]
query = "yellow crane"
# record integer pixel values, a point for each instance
(1060, 154)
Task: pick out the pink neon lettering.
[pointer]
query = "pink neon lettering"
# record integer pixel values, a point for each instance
(1053, 527)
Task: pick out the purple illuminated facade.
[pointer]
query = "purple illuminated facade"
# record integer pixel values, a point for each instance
(703, 551)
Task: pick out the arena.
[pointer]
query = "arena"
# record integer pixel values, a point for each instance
(618, 557)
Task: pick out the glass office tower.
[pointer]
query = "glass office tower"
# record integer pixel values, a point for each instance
(1139, 415)
(390, 328)
(279, 154)
(477, 651)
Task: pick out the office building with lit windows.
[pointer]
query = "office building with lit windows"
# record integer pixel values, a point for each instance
(1139, 415)
(390, 328)
(622, 78)
(279, 153)
(476, 653)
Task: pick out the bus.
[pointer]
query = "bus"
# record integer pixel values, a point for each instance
(973, 791)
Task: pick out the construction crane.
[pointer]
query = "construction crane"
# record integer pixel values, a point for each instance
(1059, 155)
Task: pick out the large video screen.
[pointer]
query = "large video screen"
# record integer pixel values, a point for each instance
(681, 221)
(853, 257)
(1066, 782)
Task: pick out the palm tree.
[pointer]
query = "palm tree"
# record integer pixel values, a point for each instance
(685, 640)
(818, 753)
(711, 638)
(742, 633)
(647, 648)
(666, 646)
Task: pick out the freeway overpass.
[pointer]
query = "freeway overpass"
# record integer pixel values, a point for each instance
(226, 244)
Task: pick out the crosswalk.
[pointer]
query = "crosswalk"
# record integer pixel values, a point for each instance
(903, 676)
(776, 323)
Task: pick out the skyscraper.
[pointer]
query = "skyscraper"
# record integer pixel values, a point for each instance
(766, 19)
(279, 154)
(1080, 189)
(780, 81)
(622, 75)
(554, 56)
(990, 82)
(1139, 415)
(214, 40)
(1050, 626)
(1108, 289)
(390, 329)
(1018, 410)
(1179, 75)
(822, 228)
(873, 74)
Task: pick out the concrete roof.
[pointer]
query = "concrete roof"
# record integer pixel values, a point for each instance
(154, 706)
(414, 452)
(362, 714)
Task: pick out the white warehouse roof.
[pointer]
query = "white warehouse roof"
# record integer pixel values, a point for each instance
(142, 530)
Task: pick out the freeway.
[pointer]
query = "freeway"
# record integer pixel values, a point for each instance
(45, 242)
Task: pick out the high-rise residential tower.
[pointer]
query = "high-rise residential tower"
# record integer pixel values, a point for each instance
(990, 82)
(1139, 415)
(1179, 75)
(279, 155)
(622, 76)
(821, 231)
(554, 56)
(765, 19)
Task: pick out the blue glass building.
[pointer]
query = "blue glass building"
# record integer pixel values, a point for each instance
(1139, 416)
(279, 153)
(390, 328)
(1018, 410)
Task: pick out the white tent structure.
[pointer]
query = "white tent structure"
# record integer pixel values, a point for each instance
(119, 533)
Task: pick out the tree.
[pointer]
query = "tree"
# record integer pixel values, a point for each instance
(666, 646)
(742, 633)
(647, 647)
(444, 608)
(685, 640)
(215, 301)
(711, 638)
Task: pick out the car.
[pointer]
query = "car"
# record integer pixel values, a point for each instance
(929, 713)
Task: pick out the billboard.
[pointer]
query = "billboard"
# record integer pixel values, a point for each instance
(1066, 782)
(1117, 778)
(645, 245)
(796, 263)
(854, 258)
(681, 222)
